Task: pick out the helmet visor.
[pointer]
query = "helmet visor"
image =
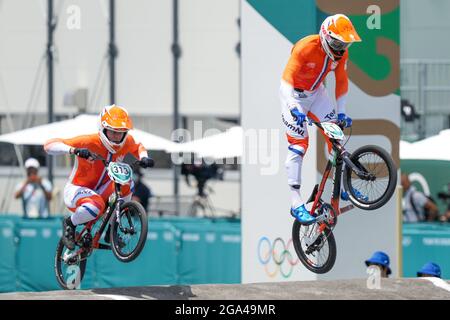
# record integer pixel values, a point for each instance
(115, 136)
(338, 45)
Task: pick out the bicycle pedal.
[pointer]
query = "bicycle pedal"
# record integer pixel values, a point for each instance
(321, 218)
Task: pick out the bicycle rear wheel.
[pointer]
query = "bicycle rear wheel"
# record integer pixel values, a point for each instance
(377, 162)
(317, 252)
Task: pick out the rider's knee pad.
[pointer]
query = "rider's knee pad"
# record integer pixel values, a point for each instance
(296, 150)
(296, 144)
(95, 201)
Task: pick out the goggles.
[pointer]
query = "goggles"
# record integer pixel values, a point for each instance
(338, 45)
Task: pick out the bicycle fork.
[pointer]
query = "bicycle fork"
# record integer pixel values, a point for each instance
(360, 171)
(336, 192)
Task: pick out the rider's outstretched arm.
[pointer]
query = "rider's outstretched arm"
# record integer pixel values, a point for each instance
(341, 84)
(136, 148)
(142, 152)
(287, 89)
(63, 146)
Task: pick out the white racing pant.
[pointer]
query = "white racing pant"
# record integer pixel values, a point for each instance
(87, 204)
(318, 106)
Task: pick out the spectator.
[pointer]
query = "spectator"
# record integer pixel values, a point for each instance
(445, 217)
(430, 269)
(380, 259)
(35, 192)
(141, 193)
(445, 196)
(416, 205)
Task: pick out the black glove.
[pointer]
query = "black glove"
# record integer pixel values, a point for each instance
(83, 153)
(146, 162)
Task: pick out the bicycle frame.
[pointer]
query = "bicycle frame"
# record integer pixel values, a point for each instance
(342, 156)
(318, 191)
(106, 219)
(109, 210)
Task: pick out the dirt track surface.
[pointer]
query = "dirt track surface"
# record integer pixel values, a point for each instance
(317, 290)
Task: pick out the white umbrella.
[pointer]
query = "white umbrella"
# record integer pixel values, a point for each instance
(80, 125)
(227, 144)
(432, 148)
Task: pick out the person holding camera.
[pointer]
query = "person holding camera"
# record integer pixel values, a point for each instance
(417, 207)
(445, 196)
(35, 192)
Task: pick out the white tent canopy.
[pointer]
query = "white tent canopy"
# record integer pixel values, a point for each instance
(228, 144)
(432, 148)
(80, 125)
(407, 150)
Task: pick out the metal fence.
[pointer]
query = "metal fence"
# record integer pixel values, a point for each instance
(426, 85)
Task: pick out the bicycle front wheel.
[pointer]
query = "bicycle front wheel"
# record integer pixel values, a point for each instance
(129, 234)
(371, 194)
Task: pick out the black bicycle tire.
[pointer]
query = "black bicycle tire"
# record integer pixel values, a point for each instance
(302, 256)
(58, 270)
(381, 201)
(142, 237)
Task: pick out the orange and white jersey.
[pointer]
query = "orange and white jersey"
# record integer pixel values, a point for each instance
(309, 65)
(92, 174)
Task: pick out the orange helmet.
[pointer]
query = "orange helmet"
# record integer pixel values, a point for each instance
(114, 118)
(336, 35)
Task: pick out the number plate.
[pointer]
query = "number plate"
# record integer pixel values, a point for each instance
(332, 130)
(120, 172)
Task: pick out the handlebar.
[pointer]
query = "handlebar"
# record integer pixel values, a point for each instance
(96, 156)
(310, 122)
(105, 162)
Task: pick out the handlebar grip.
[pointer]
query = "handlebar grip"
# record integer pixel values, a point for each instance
(342, 124)
(147, 163)
(83, 153)
(96, 156)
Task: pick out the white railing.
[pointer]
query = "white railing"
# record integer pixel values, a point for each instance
(426, 84)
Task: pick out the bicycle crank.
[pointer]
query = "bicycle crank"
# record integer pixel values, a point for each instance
(315, 245)
(70, 258)
(327, 215)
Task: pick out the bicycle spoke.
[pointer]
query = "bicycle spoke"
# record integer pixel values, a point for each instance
(130, 240)
(320, 255)
(375, 165)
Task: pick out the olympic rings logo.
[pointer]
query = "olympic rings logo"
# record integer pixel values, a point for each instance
(277, 252)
